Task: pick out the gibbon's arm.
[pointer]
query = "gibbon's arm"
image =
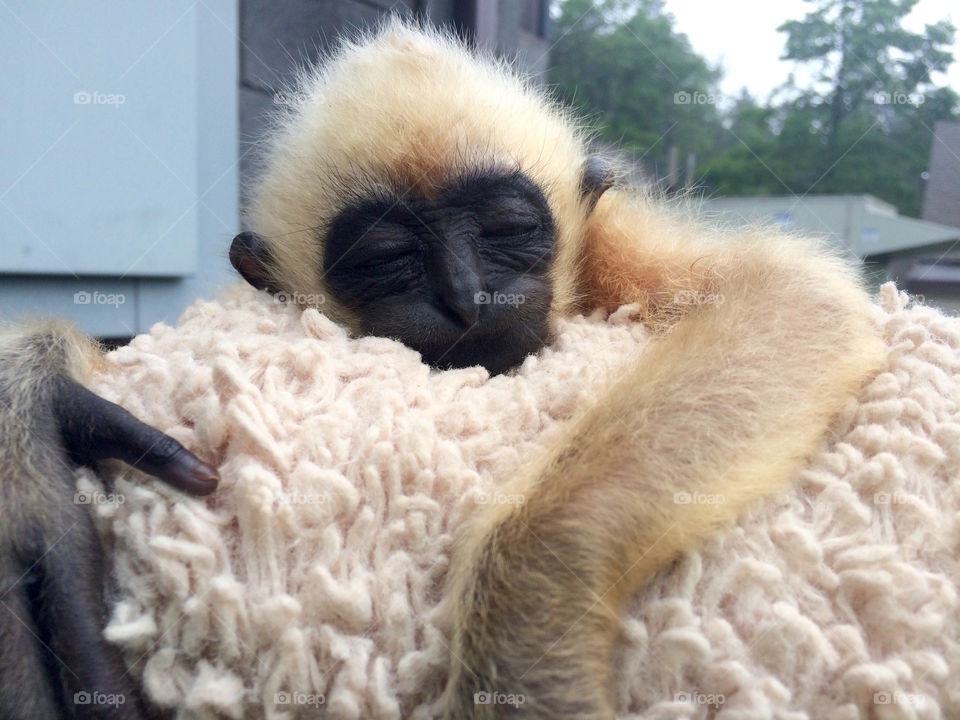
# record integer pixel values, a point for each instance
(52, 573)
(760, 344)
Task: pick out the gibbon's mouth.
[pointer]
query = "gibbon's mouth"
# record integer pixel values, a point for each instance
(495, 351)
(499, 339)
(496, 330)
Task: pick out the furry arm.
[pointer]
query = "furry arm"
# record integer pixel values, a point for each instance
(52, 571)
(763, 339)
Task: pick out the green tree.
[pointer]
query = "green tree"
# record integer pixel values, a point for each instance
(864, 125)
(863, 54)
(621, 63)
(740, 163)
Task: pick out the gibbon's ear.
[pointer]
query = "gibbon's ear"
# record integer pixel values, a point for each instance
(596, 178)
(248, 254)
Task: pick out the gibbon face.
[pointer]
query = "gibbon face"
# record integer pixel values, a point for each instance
(427, 195)
(463, 277)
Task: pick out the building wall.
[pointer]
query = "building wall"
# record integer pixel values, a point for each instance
(161, 172)
(116, 215)
(941, 200)
(276, 38)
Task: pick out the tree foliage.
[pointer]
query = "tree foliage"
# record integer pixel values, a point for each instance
(863, 124)
(621, 63)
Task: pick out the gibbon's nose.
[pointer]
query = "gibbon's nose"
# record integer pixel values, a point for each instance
(461, 293)
(459, 288)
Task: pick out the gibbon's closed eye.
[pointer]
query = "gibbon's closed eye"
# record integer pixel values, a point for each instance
(378, 247)
(462, 276)
(511, 226)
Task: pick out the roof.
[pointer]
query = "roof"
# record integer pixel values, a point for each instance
(862, 224)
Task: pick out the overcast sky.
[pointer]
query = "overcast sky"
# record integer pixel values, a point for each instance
(742, 36)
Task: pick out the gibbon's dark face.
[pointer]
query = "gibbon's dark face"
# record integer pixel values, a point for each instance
(462, 277)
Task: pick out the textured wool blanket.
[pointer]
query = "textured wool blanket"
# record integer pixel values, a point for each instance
(310, 583)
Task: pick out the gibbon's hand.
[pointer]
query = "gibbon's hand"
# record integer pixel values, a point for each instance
(93, 429)
(53, 566)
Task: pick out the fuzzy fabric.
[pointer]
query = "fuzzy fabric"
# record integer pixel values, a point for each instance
(309, 584)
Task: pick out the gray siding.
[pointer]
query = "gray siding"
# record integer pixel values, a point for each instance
(172, 167)
(277, 38)
(941, 201)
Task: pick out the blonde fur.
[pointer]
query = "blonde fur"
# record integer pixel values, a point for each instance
(405, 109)
(763, 339)
(728, 402)
(31, 355)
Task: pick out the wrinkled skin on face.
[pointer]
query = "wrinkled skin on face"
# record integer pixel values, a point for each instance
(461, 277)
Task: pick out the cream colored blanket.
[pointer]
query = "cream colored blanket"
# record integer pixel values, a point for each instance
(309, 584)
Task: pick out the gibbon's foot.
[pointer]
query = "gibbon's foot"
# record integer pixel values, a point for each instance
(96, 429)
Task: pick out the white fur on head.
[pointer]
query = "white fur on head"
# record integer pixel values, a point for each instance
(406, 108)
